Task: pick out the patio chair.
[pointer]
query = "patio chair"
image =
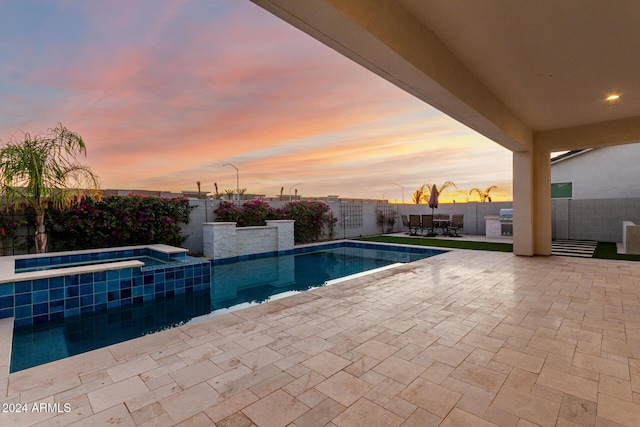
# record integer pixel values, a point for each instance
(427, 224)
(414, 225)
(457, 223)
(405, 223)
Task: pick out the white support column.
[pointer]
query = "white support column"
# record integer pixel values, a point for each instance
(531, 203)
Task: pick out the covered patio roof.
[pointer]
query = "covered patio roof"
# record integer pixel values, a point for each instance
(531, 76)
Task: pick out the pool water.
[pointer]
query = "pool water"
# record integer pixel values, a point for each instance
(234, 286)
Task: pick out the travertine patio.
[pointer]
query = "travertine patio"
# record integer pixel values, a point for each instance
(467, 338)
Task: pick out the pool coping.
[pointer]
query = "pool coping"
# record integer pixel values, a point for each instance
(8, 274)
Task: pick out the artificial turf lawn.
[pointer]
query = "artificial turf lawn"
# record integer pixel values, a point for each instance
(604, 250)
(457, 244)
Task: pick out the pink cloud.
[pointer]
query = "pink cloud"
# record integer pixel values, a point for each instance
(164, 94)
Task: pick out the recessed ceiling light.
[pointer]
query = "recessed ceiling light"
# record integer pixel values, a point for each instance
(613, 97)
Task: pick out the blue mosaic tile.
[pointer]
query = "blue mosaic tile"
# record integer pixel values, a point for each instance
(113, 285)
(24, 312)
(71, 303)
(7, 303)
(23, 300)
(43, 261)
(71, 280)
(31, 301)
(86, 289)
(100, 287)
(86, 300)
(7, 289)
(23, 287)
(40, 284)
(56, 306)
(40, 296)
(56, 294)
(56, 282)
(73, 291)
(41, 308)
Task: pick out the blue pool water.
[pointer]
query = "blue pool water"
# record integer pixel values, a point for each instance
(234, 285)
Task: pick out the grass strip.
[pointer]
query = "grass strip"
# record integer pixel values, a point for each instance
(607, 250)
(457, 244)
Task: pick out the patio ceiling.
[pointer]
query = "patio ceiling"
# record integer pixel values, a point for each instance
(519, 72)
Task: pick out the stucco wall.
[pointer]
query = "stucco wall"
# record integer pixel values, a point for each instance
(599, 219)
(606, 172)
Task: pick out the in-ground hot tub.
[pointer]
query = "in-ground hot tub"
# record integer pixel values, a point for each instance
(44, 287)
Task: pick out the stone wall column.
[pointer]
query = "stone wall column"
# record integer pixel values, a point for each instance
(219, 239)
(285, 232)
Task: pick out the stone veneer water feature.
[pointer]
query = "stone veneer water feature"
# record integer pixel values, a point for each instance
(223, 240)
(106, 281)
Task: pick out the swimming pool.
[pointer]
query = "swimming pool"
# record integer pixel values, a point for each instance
(235, 284)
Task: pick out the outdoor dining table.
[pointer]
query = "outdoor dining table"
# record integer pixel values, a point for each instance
(443, 224)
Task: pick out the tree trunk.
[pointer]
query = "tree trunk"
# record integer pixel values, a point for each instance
(41, 235)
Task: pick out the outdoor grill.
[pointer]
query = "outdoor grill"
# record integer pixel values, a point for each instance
(506, 222)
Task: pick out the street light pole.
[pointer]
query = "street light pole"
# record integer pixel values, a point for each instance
(402, 191)
(237, 178)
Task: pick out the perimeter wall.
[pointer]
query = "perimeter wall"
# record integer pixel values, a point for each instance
(588, 219)
(593, 219)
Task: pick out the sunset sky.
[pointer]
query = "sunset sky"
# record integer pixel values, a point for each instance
(164, 92)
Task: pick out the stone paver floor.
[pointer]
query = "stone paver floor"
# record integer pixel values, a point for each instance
(468, 338)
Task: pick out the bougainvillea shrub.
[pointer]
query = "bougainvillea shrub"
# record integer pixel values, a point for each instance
(118, 221)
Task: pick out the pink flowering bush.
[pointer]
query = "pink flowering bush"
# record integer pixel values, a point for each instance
(311, 217)
(118, 221)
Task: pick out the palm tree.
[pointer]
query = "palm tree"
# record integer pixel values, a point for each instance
(426, 189)
(418, 196)
(216, 194)
(230, 194)
(484, 195)
(43, 171)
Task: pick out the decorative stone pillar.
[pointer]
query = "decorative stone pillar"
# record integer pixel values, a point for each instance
(219, 239)
(285, 232)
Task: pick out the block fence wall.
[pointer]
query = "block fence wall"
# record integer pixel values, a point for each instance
(594, 219)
